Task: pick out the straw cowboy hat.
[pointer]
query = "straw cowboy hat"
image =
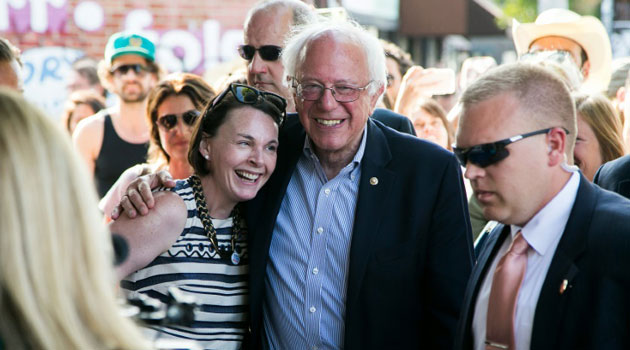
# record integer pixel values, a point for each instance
(587, 31)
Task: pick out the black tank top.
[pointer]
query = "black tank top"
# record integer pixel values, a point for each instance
(116, 156)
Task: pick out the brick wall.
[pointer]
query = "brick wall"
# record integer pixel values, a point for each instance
(190, 35)
(167, 15)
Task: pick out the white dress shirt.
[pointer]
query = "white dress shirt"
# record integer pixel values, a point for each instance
(542, 232)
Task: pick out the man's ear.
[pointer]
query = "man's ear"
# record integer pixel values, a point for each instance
(556, 145)
(621, 96)
(377, 94)
(586, 68)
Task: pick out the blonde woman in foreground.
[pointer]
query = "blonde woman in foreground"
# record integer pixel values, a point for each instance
(57, 283)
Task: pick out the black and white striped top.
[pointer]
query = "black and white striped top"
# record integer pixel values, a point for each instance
(192, 265)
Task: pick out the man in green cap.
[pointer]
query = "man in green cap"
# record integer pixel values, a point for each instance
(117, 138)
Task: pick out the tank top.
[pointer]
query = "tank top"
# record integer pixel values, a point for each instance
(116, 156)
(219, 286)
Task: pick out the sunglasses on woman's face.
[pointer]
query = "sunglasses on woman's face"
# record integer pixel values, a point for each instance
(267, 52)
(169, 121)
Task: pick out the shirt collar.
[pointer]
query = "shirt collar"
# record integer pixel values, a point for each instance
(546, 227)
(307, 150)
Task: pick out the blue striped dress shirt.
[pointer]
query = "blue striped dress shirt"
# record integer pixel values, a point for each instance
(307, 272)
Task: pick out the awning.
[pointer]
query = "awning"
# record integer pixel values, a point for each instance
(426, 18)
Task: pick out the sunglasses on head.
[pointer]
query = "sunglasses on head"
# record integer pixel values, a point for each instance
(168, 121)
(491, 153)
(137, 68)
(267, 52)
(248, 95)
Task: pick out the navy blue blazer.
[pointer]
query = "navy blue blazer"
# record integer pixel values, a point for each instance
(411, 250)
(593, 312)
(615, 176)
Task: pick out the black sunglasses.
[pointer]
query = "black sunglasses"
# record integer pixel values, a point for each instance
(137, 68)
(168, 121)
(248, 95)
(267, 52)
(494, 152)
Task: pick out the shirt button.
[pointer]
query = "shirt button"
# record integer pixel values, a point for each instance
(327, 191)
(320, 230)
(312, 309)
(352, 177)
(315, 271)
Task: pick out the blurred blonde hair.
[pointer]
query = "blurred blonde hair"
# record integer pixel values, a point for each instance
(57, 283)
(599, 113)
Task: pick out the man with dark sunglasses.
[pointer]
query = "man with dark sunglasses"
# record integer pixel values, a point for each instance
(266, 27)
(553, 274)
(117, 138)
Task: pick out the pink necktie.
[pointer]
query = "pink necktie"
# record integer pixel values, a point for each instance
(507, 280)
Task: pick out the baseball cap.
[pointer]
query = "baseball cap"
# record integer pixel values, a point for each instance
(123, 43)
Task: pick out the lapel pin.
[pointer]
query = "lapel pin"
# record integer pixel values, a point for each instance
(563, 286)
(373, 181)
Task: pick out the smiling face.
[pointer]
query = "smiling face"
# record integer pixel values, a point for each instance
(335, 128)
(587, 153)
(175, 141)
(514, 189)
(242, 155)
(132, 87)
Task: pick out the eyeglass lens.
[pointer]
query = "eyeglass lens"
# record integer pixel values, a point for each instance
(138, 69)
(267, 52)
(313, 92)
(169, 121)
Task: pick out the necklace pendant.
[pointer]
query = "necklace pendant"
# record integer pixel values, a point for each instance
(236, 258)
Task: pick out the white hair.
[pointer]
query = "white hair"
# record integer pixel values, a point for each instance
(294, 52)
(302, 13)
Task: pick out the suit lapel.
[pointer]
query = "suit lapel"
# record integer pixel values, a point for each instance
(551, 302)
(491, 246)
(371, 199)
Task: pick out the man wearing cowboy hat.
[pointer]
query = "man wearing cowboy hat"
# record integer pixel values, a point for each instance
(583, 38)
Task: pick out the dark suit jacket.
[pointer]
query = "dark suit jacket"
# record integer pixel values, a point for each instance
(615, 176)
(411, 251)
(394, 120)
(594, 311)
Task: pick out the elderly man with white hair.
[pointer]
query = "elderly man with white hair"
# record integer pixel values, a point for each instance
(361, 238)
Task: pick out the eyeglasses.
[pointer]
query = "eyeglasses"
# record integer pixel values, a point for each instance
(168, 121)
(248, 95)
(137, 68)
(494, 152)
(341, 93)
(267, 52)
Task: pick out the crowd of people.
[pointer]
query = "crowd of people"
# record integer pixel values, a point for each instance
(334, 195)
